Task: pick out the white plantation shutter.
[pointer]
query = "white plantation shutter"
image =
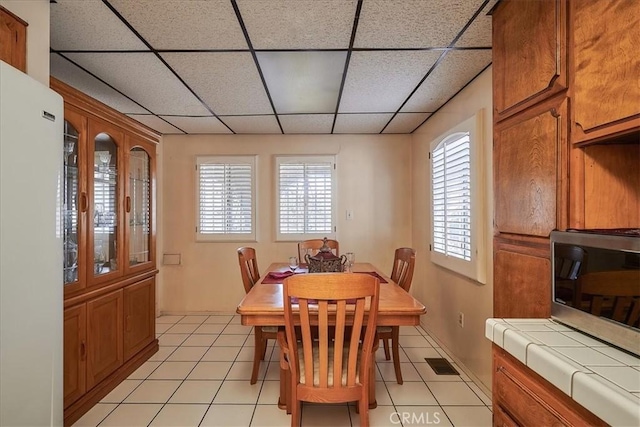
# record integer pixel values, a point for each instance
(451, 192)
(225, 197)
(305, 197)
(457, 191)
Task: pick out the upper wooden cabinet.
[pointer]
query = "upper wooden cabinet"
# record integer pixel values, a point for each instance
(108, 195)
(528, 167)
(13, 40)
(529, 53)
(606, 69)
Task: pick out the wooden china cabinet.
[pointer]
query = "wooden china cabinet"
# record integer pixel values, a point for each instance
(566, 125)
(108, 198)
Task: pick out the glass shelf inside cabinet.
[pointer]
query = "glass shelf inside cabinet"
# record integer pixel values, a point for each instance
(140, 206)
(105, 205)
(70, 204)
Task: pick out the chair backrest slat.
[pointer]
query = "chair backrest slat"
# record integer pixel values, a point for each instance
(248, 267)
(328, 300)
(403, 264)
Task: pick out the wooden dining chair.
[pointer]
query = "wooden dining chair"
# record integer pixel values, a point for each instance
(329, 365)
(314, 245)
(250, 276)
(402, 274)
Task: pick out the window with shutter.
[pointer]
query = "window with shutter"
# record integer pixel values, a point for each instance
(306, 197)
(457, 238)
(225, 198)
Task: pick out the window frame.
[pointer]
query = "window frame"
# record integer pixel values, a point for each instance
(251, 160)
(475, 268)
(305, 159)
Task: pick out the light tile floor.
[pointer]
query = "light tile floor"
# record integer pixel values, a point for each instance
(200, 377)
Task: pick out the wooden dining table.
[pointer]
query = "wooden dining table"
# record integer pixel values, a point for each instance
(263, 305)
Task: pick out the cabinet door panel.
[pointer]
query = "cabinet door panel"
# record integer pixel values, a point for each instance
(106, 201)
(75, 201)
(104, 340)
(606, 95)
(529, 45)
(140, 206)
(139, 316)
(526, 164)
(75, 356)
(522, 285)
(13, 40)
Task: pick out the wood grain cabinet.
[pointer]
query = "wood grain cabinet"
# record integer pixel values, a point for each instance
(109, 263)
(75, 353)
(529, 53)
(606, 66)
(523, 398)
(139, 316)
(528, 167)
(104, 336)
(566, 153)
(13, 40)
(523, 275)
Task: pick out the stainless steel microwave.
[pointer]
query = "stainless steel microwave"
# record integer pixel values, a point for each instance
(596, 284)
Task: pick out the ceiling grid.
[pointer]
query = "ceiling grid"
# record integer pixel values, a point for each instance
(272, 66)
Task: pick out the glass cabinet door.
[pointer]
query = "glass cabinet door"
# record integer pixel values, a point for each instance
(139, 207)
(70, 199)
(105, 205)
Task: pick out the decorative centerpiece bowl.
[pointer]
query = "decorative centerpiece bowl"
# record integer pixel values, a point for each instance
(325, 261)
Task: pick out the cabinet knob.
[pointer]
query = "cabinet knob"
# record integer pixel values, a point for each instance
(127, 204)
(83, 350)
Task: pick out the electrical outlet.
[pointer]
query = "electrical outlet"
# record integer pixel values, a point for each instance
(461, 319)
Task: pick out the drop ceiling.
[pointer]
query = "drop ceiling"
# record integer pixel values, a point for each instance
(272, 66)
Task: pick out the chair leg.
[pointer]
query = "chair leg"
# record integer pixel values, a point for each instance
(385, 343)
(257, 353)
(395, 347)
(265, 342)
(363, 406)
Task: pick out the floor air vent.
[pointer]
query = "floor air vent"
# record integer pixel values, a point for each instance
(441, 366)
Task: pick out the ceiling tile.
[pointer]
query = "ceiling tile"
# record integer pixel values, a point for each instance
(380, 81)
(70, 74)
(306, 123)
(198, 124)
(456, 70)
(303, 82)
(406, 122)
(89, 25)
(227, 81)
(295, 24)
(144, 78)
(412, 23)
(252, 124)
(361, 123)
(179, 24)
(156, 123)
(479, 32)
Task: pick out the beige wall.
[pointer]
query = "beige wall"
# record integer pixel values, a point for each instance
(442, 291)
(373, 180)
(36, 14)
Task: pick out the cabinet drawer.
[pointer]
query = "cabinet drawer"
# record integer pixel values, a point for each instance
(529, 400)
(502, 419)
(517, 399)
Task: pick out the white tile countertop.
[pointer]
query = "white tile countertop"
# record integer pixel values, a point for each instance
(601, 378)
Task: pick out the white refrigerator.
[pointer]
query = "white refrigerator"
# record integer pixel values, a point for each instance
(31, 288)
